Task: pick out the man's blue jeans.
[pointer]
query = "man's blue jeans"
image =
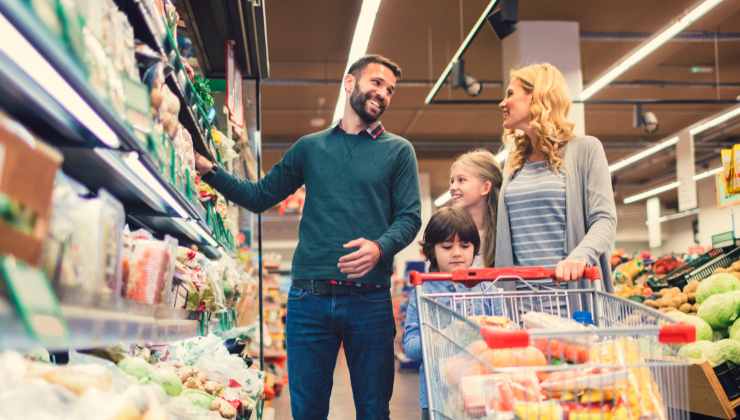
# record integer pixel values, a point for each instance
(316, 326)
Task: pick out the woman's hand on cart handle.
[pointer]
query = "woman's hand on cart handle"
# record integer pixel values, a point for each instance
(573, 269)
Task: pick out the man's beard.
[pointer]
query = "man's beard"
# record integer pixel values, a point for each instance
(358, 100)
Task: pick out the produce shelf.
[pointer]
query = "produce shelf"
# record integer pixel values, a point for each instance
(94, 327)
(43, 86)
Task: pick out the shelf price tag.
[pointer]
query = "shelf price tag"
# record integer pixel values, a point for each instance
(35, 303)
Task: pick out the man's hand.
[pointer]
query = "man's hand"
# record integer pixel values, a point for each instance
(360, 262)
(202, 165)
(570, 269)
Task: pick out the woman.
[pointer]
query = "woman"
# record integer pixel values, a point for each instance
(475, 182)
(557, 204)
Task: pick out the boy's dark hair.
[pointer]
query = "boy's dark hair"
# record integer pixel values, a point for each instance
(444, 224)
(358, 66)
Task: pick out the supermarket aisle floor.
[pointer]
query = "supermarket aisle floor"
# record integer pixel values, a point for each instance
(404, 405)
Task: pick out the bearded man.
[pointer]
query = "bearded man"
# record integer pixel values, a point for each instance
(362, 207)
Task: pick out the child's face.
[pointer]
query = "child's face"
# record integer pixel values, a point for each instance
(467, 188)
(454, 254)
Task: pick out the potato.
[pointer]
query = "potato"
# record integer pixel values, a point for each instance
(735, 266)
(692, 286)
(684, 297)
(652, 303)
(156, 97)
(685, 308)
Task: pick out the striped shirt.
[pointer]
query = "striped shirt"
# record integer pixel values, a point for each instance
(535, 202)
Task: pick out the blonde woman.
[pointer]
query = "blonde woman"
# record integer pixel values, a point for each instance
(557, 204)
(475, 182)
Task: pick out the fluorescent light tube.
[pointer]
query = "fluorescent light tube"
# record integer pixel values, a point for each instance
(648, 47)
(112, 158)
(731, 113)
(707, 174)
(361, 38)
(650, 193)
(25, 56)
(443, 199)
(643, 154)
(133, 162)
(668, 187)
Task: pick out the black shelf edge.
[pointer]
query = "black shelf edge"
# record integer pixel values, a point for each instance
(188, 118)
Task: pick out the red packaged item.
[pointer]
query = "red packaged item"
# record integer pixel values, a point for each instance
(150, 269)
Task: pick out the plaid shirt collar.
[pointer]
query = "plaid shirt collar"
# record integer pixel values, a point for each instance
(374, 130)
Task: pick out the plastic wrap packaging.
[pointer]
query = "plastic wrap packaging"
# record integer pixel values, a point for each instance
(150, 268)
(83, 253)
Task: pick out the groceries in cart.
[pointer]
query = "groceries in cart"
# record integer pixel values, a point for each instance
(590, 355)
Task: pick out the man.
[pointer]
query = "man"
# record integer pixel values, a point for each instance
(362, 207)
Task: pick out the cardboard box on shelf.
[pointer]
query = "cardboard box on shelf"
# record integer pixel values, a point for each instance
(27, 171)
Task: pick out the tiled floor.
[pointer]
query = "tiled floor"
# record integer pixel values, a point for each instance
(404, 405)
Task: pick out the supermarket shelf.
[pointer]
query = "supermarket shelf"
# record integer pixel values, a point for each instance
(188, 116)
(154, 34)
(57, 78)
(30, 91)
(146, 27)
(214, 21)
(92, 327)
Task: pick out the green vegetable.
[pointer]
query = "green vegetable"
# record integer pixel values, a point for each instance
(720, 334)
(703, 329)
(637, 298)
(724, 351)
(716, 284)
(720, 311)
(198, 398)
(696, 351)
(735, 330)
(168, 380)
(136, 367)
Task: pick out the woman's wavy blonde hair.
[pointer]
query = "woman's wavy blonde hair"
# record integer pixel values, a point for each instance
(483, 163)
(548, 116)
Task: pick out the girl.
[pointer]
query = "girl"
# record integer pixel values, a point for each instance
(557, 207)
(450, 243)
(475, 181)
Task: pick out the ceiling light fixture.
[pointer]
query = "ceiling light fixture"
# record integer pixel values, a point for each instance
(713, 122)
(361, 38)
(668, 187)
(462, 80)
(648, 47)
(464, 46)
(643, 154)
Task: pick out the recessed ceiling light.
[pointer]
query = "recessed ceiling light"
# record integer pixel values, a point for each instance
(318, 122)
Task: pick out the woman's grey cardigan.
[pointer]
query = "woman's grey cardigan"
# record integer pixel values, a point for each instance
(591, 214)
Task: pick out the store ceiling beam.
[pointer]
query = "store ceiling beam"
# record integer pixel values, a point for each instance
(210, 23)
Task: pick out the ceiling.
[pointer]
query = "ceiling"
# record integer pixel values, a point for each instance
(309, 43)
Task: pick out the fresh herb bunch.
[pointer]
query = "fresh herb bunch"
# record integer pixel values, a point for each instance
(203, 89)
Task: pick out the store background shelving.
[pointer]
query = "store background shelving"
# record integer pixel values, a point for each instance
(45, 88)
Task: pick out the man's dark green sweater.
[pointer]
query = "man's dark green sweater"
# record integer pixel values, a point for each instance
(357, 186)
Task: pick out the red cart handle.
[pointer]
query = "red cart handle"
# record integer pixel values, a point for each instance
(473, 276)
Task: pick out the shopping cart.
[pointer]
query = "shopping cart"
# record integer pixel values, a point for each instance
(520, 355)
